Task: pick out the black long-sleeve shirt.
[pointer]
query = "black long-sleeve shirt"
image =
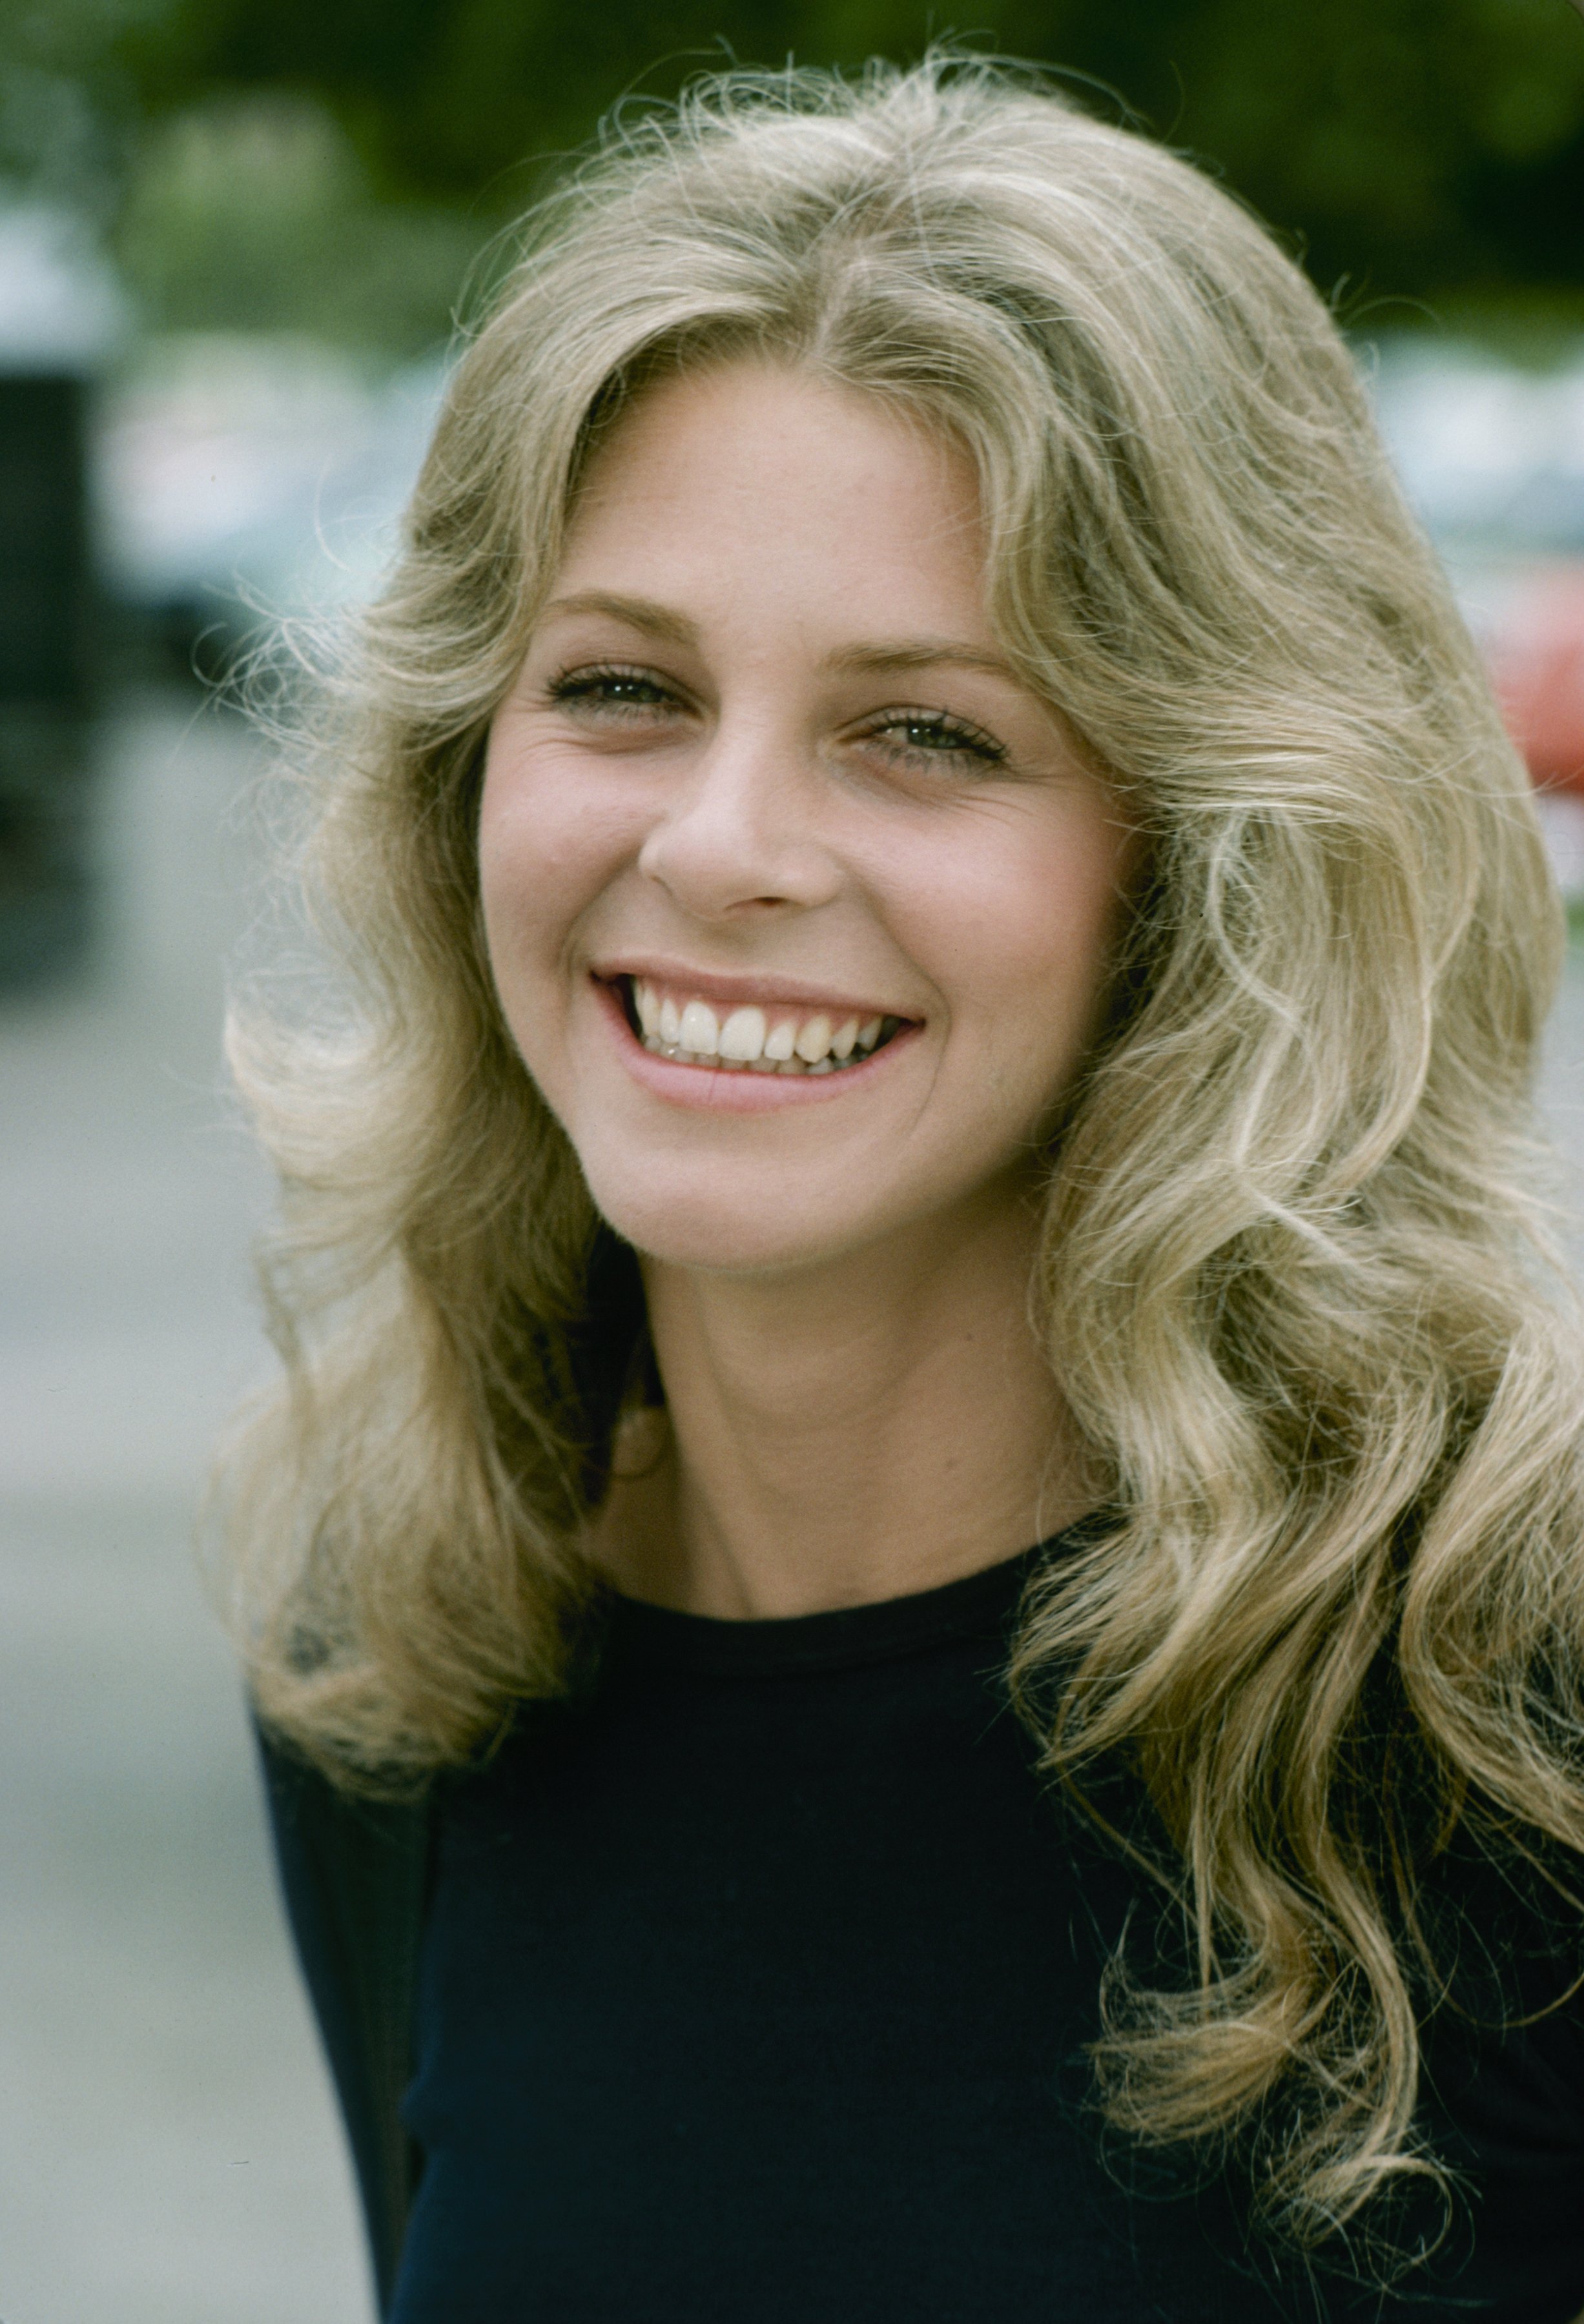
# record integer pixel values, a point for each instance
(756, 1986)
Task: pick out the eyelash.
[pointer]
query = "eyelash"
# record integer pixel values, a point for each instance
(955, 738)
(579, 686)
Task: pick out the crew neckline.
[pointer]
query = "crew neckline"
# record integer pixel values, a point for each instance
(837, 1638)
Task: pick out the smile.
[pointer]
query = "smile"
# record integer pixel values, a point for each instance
(689, 1030)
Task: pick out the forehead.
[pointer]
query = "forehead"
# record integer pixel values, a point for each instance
(758, 478)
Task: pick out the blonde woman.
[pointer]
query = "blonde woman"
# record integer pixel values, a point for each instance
(916, 1591)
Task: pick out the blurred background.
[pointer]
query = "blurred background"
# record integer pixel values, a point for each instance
(237, 237)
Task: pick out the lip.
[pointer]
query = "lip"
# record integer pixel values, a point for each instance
(747, 991)
(717, 1089)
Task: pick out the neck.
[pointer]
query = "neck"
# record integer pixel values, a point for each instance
(850, 1433)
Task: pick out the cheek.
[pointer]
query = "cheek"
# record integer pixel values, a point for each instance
(1023, 929)
(1071, 925)
(545, 852)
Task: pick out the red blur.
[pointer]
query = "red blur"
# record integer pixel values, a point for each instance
(1536, 655)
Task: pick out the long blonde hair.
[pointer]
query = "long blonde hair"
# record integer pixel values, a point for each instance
(1296, 1283)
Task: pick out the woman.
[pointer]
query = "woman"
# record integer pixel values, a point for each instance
(943, 953)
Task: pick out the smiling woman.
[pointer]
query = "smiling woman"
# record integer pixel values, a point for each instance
(704, 803)
(924, 1536)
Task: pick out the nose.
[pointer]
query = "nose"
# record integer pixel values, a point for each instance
(743, 835)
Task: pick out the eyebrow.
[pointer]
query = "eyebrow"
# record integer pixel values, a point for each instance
(921, 653)
(657, 621)
(637, 613)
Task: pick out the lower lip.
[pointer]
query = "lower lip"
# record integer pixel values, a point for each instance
(720, 1089)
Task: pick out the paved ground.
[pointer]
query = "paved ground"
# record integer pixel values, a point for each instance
(168, 2153)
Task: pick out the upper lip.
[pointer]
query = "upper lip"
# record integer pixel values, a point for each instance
(746, 991)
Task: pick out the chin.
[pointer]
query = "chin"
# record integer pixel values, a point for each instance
(696, 1228)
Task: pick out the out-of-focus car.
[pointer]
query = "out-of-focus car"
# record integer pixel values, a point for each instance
(1536, 653)
(244, 481)
(1492, 453)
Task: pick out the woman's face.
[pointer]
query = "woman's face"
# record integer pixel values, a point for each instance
(798, 902)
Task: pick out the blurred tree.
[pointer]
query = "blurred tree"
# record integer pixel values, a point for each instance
(64, 101)
(256, 212)
(1424, 145)
(1415, 146)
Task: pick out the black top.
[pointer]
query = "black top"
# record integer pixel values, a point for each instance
(756, 1985)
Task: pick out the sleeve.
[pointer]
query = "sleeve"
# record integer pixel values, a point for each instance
(355, 1877)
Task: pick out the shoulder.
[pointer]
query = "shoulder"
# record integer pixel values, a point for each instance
(343, 1853)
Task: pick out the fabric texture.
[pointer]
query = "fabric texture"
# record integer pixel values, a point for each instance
(355, 1875)
(754, 1981)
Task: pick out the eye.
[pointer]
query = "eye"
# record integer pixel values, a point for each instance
(613, 692)
(933, 741)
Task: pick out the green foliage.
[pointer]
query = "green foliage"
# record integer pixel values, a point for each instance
(1413, 149)
(1414, 144)
(62, 103)
(255, 214)
(1419, 143)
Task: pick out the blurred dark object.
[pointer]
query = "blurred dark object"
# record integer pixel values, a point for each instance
(56, 316)
(43, 674)
(43, 573)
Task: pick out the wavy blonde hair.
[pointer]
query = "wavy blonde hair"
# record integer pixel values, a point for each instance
(1295, 1282)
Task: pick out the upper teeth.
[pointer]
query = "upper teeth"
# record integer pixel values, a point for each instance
(752, 1035)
